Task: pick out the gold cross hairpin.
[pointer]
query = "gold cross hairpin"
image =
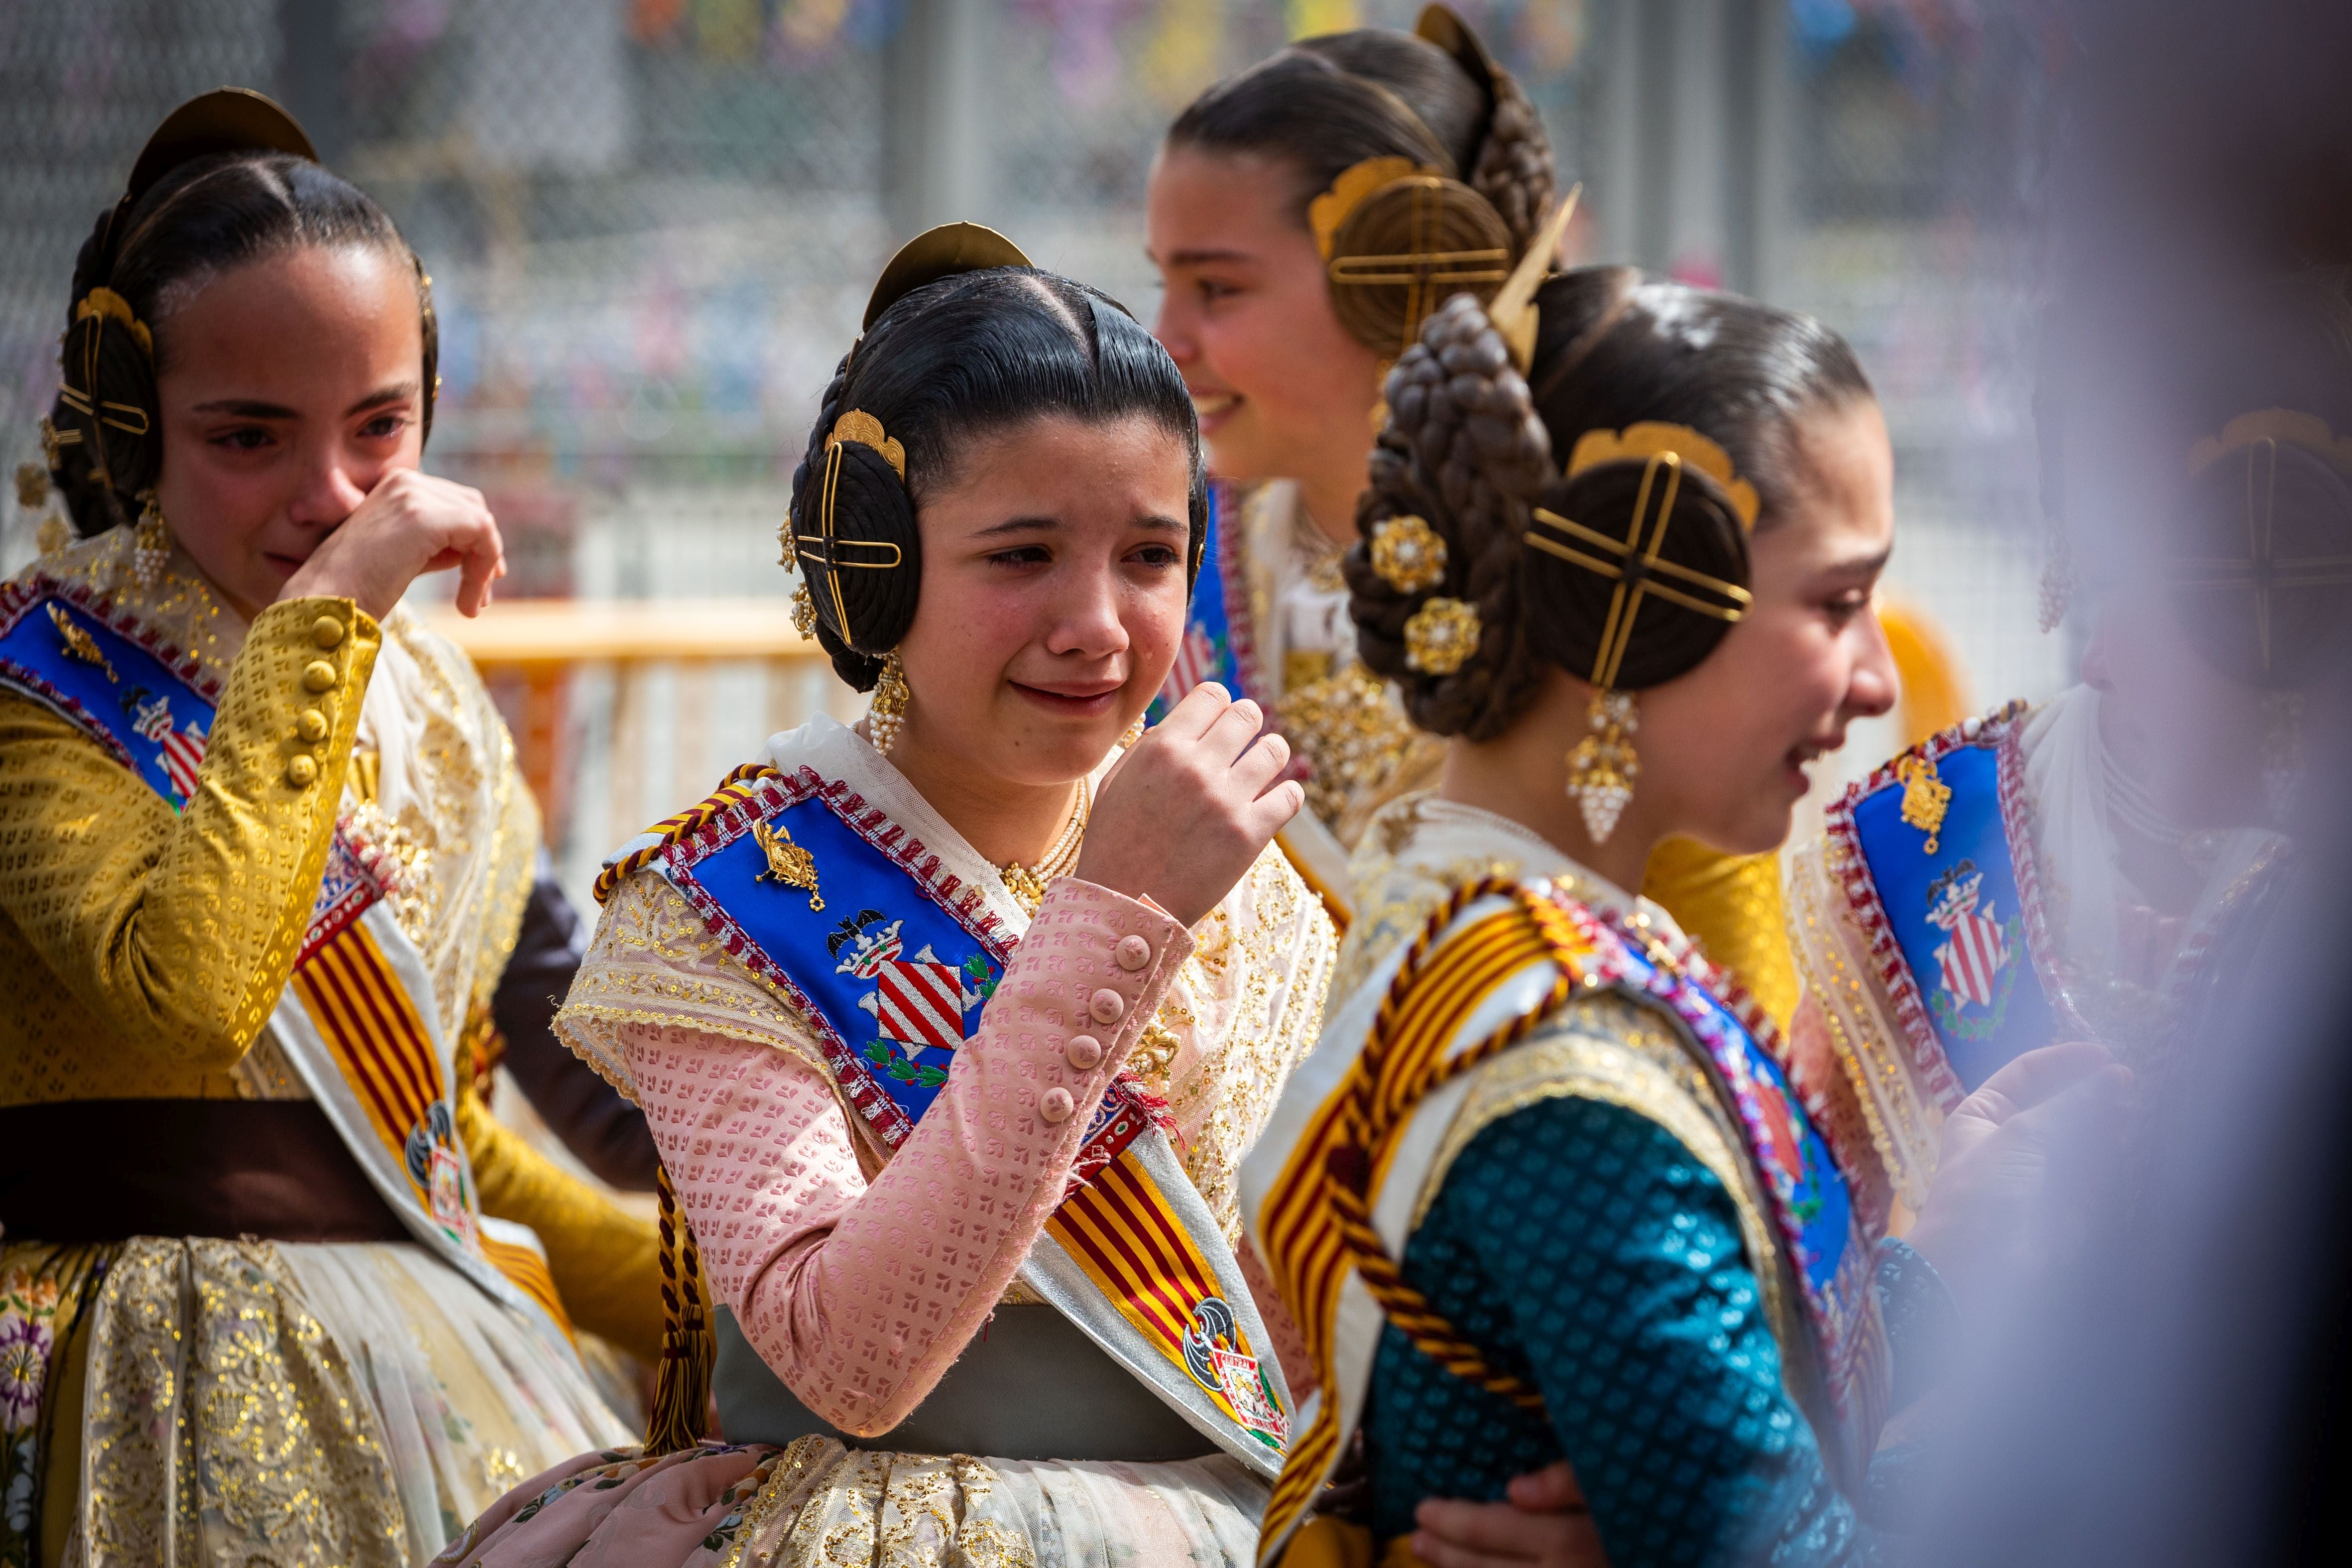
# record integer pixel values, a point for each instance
(832, 544)
(1427, 275)
(1636, 567)
(2260, 570)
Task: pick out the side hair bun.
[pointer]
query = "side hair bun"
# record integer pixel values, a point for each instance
(1464, 451)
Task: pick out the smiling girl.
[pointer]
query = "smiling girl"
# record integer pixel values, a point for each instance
(1306, 215)
(1545, 1191)
(265, 855)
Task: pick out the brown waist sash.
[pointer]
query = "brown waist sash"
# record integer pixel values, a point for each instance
(101, 1170)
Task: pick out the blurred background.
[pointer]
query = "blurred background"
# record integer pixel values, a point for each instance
(652, 225)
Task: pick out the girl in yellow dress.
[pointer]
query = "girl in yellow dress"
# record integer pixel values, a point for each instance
(273, 1286)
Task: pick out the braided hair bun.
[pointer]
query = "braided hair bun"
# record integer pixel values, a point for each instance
(966, 355)
(2266, 523)
(1469, 453)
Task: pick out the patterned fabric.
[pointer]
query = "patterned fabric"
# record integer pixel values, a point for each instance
(860, 1293)
(150, 946)
(1581, 1247)
(43, 1290)
(814, 1504)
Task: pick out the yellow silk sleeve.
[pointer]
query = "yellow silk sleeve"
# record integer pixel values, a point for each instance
(602, 1258)
(171, 936)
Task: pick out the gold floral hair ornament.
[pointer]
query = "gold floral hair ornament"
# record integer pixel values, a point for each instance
(1440, 636)
(1408, 553)
(1648, 439)
(866, 430)
(1335, 206)
(1513, 311)
(2286, 427)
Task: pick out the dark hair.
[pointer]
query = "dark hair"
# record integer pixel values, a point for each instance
(965, 356)
(214, 211)
(1326, 104)
(1474, 451)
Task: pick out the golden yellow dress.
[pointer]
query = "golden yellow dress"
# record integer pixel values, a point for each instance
(186, 1398)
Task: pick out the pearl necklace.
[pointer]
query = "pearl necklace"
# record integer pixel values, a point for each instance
(1026, 883)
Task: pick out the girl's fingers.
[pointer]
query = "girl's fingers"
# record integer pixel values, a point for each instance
(1263, 762)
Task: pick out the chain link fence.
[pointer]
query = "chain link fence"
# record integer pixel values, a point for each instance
(651, 224)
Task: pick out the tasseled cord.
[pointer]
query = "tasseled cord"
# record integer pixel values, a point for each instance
(682, 1387)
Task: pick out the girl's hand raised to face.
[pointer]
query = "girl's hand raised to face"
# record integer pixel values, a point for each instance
(1184, 814)
(411, 524)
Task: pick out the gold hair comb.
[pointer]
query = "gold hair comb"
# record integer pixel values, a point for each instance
(1513, 311)
(866, 430)
(2287, 427)
(1327, 212)
(1651, 437)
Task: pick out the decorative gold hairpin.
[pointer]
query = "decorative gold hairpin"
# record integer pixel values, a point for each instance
(1513, 311)
(826, 547)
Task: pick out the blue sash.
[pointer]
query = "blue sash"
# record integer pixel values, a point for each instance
(148, 716)
(1939, 870)
(890, 957)
(1804, 1187)
(1209, 651)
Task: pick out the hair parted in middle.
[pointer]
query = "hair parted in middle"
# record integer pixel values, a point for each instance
(1463, 172)
(964, 355)
(1475, 450)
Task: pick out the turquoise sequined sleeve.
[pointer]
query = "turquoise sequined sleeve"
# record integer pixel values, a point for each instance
(1584, 1247)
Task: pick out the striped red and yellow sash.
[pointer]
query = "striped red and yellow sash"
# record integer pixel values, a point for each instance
(385, 1053)
(1423, 1015)
(1123, 1234)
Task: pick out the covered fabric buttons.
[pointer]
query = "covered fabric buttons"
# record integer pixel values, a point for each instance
(310, 724)
(326, 631)
(1085, 1052)
(318, 676)
(1055, 1105)
(1107, 1006)
(1132, 952)
(301, 769)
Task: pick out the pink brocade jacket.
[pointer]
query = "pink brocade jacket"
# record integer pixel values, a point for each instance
(859, 1274)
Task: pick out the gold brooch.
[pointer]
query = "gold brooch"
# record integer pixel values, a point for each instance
(866, 430)
(789, 865)
(80, 645)
(1926, 797)
(1440, 636)
(1408, 555)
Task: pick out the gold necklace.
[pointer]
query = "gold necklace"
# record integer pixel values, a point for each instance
(1027, 883)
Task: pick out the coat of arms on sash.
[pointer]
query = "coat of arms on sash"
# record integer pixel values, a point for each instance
(1973, 962)
(918, 1003)
(1217, 1355)
(1937, 867)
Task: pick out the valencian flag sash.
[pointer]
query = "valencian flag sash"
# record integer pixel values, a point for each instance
(1935, 859)
(358, 1021)
(1526, 948)
(1217, 645)
(891, 958)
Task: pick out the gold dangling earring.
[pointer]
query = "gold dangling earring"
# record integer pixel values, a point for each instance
(151, 550)
(1602, 767)
(1134, 734)
(889, 709)
(803, 612)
